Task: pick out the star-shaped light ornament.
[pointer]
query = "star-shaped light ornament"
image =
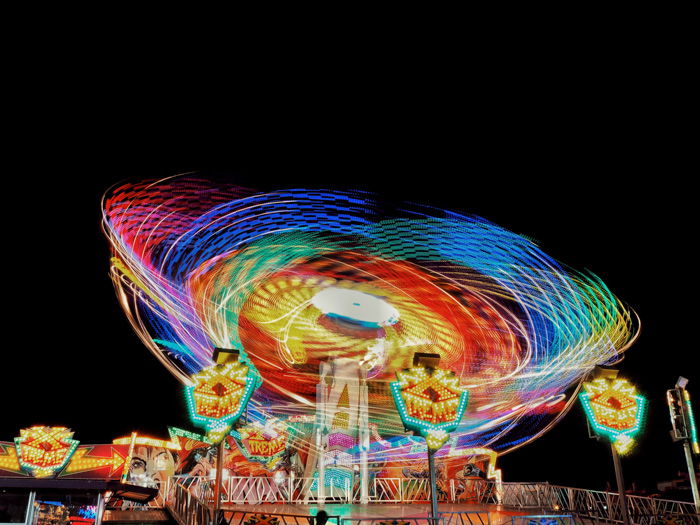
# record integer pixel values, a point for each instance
(614, 409)
(44, 451)
(430, 401)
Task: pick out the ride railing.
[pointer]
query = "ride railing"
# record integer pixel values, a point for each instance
(241, 517)
(466, 517)
(591, 504)
(187, 507)
(254, 490)
(544, 519)
(392, 521)
(584, 503)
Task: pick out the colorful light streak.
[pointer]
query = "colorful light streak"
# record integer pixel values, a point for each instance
(200, 264)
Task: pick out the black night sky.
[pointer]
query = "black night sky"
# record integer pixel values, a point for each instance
(599, 183)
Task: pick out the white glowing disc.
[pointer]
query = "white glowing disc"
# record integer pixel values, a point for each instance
(356, 307)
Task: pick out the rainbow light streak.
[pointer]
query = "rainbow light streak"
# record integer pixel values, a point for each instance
(294, 278)
(614, 410)
(43, 451)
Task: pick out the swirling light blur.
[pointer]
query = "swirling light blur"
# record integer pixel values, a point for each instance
(292, 278)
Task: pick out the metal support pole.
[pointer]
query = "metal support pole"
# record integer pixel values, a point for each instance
(364, 441)
(129, 457)
(691, 474)
(433, 487)
(29, 515)
(620, 485)
(99, 508)
(219, 472)
(364, 478)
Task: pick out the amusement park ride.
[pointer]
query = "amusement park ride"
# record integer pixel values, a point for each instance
(328, 341)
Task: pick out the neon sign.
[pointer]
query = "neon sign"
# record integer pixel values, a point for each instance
(614, 409)
(43, 451)
(219, 395)
(430, 401)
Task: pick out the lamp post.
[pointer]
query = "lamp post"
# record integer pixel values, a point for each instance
(615, 412)
(217, 397)
(685, 430)
(431, 402)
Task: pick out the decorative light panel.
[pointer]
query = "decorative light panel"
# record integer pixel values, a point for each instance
(430, 402)
(219, 395)
(44, 451)
(614, 409)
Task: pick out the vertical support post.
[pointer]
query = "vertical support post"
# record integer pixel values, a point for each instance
(320, 446)
(620, 485)
(29, 515)
(433, 487)
(219, 472)
(129, 456)
(691, 474)
(364, 441)
(321, 485)
(100, 509)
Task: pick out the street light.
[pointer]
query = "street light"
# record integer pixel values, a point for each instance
(431, 402)
(615, 412)
(684, 430)
(216, 399)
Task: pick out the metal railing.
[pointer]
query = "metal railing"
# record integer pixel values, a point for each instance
(544, 519)
(392, 521)
(187, 507)
(254, 490)
(466, 517)
(584, 503)
(191, 502)
(245, 517)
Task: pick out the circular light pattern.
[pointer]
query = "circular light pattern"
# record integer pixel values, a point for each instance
(297, 278)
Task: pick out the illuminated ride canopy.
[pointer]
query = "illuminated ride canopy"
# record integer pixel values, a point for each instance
(295, 278)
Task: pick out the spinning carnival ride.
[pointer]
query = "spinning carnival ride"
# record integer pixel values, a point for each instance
(328, 294)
